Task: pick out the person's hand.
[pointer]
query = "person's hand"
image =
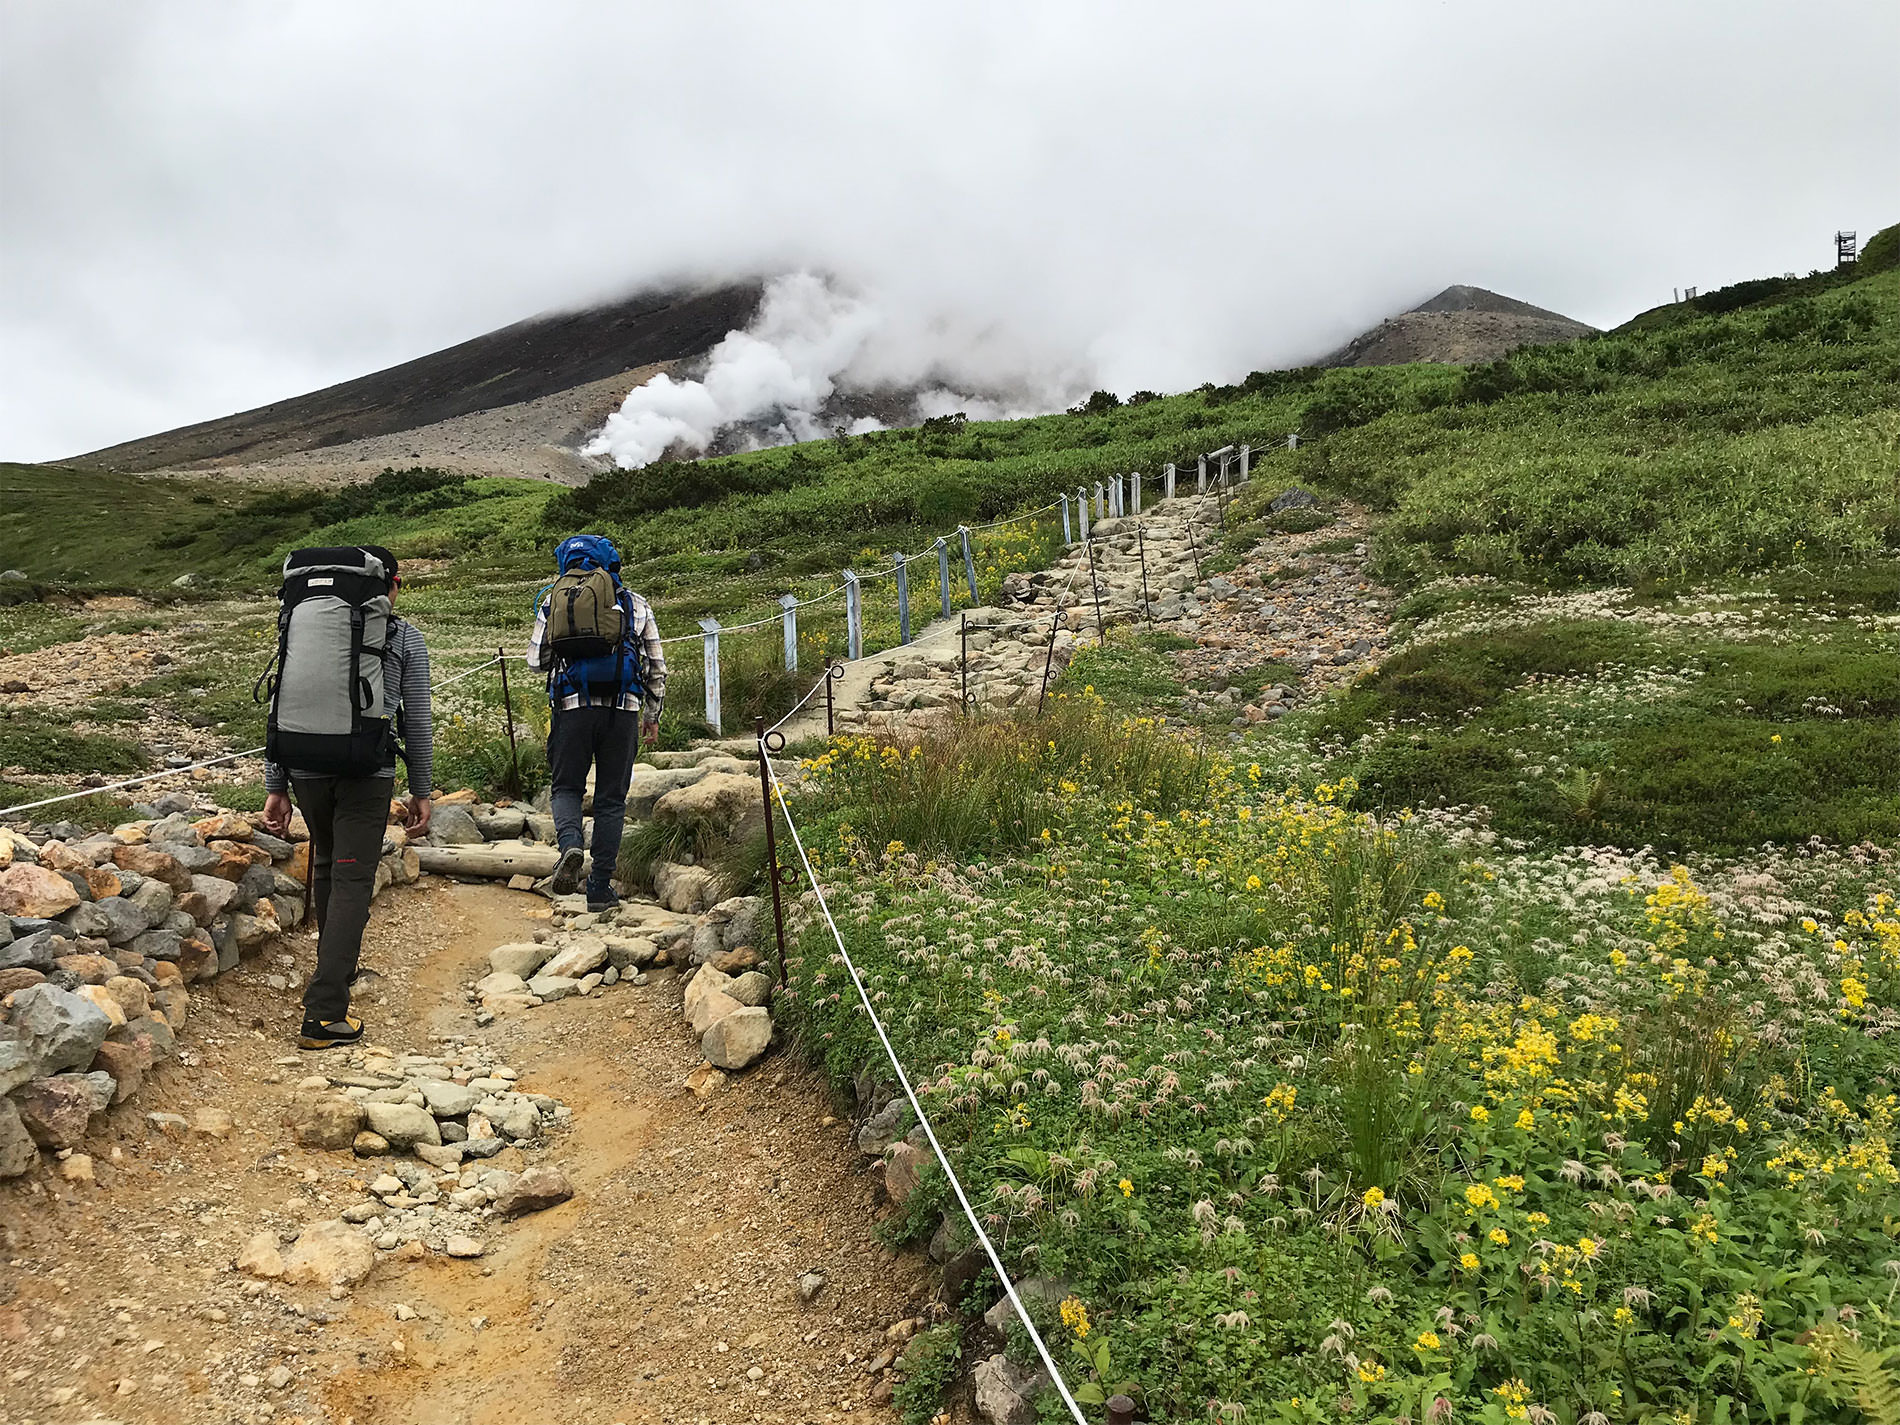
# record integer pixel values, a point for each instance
(276, 819)
(415, 819)
(650, 730)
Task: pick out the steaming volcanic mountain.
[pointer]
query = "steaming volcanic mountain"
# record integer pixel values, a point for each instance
(1461, 325)
(514, 401)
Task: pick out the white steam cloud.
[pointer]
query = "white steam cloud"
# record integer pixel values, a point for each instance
(792, 374)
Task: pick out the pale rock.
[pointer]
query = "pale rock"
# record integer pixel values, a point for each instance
(329, 1122)
(463, 1246)
(585, 955)
(35, 892)
(753, 989)
(735, 1040)
(330, 1253)
(77, 1169)
(1006, 1392)
(535, 1190)
(402, 1125)
(213, 1123)
(520, 959)
(446, 1099)
(260, 1258)
(104, 1001)
(552, 987)
(903, 1169)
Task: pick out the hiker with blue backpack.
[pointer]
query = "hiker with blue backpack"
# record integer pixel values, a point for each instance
(599, 645)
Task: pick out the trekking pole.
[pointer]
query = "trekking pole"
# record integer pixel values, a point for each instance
(1095, 585)
(1142, 545)
(508, 711)
(780, 876)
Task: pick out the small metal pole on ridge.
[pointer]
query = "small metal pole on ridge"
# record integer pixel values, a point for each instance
(780, 876)
(834, 671)
(1220, 493)
(508, 712)
(710, 652)
(1055, 626)
(969, 562)
(1167, 481)
(853, 617)
(943, 574)
(1095, 585)
(789, 602)
(1142, 545)
(963, 662)
(903, 597)
(1067, 539)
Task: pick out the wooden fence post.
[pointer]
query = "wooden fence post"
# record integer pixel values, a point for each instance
(1246, 459)
(1082, 509)
(789, 603)
(1167, 481)
(853, 617)
(969, 563)
(1200, 476)
(903, 597)
(710, 649)
(1134, 493)
(943, 574)
(1101, 501)
(1115, 495)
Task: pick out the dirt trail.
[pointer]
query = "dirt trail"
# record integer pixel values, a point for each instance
(653, 1295)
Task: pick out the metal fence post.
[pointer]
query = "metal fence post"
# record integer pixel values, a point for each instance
(1067, 539)
(1246, 459)
(1167, 481)
(943, 575)
(710, 648)
(853, 618)
(969, 562)
(789, 603)
(903, 597)
(1082, 509)
(1134, 493)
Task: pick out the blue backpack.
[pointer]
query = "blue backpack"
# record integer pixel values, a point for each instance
(590, 632)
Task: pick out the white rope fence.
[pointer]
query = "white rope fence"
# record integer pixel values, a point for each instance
(910, 1093)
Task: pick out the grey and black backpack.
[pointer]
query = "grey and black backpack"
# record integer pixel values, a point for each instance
(329, 711)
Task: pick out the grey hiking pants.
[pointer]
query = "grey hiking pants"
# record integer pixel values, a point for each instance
(609, 740)
(346, 817)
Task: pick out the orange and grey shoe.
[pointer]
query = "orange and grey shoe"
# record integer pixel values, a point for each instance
(327, 1034)
(567, 871)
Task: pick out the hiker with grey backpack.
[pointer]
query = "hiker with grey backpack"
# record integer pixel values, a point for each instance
(599, 645)
(349, 690)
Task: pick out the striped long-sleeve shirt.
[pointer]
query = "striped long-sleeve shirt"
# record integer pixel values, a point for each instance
(645, 629)
(405, 670)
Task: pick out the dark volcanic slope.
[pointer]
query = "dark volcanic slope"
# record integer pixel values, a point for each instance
(1459, 325)
(530, 359)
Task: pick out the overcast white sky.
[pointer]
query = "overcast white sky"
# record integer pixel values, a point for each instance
(206, 206)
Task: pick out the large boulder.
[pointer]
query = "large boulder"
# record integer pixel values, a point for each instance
(31, 952)
(35, 891)
(217, 893)
(330, 1253)
(55, 1110)
(446, 1099)
(650, 784)
(723, 804)
(501, 823)
(327, 1121)
(63, 1031)
(124, 919)
(734, 1040)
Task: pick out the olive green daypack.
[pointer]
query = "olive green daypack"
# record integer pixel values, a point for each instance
(585, 617)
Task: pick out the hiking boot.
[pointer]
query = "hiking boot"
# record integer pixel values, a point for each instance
(567, 871)
(601, 901)
(327, 1034)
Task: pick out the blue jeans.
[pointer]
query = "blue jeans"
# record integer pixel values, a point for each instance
(607, 739)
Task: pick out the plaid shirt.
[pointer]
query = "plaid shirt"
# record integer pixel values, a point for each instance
(653, 662)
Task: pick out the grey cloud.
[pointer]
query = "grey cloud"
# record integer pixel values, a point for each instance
(209, 206)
